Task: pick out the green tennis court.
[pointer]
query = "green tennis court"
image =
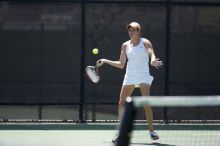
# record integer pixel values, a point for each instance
(102, 134)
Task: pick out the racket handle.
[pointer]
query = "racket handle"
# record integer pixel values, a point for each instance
(97, 70)
(97, 67)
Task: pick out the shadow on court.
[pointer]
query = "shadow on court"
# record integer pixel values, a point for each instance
(152, 144)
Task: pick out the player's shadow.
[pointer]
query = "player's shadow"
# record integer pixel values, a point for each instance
(153, 144)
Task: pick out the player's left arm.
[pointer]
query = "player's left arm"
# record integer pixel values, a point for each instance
(154, 61)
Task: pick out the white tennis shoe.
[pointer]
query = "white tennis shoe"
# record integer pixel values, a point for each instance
(115, 139)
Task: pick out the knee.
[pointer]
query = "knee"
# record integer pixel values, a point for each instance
(148, 108)
(121, 103)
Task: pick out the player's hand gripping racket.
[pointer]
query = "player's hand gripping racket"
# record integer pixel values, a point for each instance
(92, 73)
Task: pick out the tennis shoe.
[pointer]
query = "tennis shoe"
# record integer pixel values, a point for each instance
(153, 135)
(115, 139)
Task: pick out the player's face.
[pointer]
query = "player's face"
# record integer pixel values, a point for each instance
(133, 32)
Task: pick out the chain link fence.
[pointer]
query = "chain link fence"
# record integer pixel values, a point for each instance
(45, 46)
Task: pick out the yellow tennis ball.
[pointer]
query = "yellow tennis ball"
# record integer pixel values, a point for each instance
(95, 51)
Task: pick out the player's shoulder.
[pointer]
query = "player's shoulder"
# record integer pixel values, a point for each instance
(125, 44)
(146, 41)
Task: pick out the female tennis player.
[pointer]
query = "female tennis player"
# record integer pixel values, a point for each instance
(137, 51)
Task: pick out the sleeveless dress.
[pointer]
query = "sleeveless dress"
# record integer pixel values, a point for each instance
(137, 70)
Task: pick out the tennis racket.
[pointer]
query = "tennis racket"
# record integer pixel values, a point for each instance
(92, 73)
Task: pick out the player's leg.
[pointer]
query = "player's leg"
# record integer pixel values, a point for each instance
(126, 91)
(145, 91)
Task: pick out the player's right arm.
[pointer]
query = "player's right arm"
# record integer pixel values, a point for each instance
(120, 63)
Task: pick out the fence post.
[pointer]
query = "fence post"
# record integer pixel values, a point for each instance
(167, 56)
(82, 70)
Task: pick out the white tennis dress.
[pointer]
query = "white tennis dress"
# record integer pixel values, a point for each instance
(137, 70)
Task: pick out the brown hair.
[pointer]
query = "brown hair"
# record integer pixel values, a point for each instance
(134, 25)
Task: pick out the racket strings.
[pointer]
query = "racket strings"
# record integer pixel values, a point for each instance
(92, 73)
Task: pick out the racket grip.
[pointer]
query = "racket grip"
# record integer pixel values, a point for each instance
(97, 70)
